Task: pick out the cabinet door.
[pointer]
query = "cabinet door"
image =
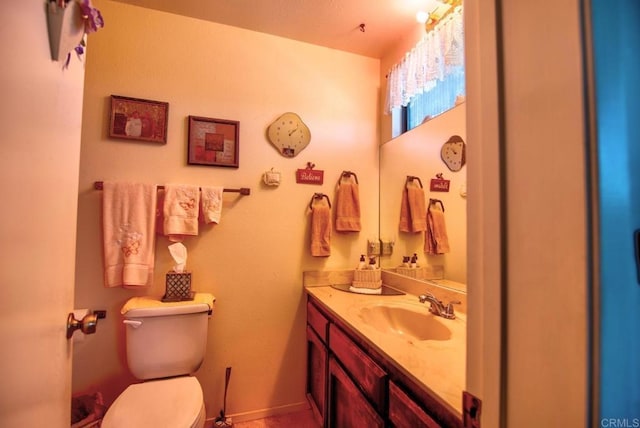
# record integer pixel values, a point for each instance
(363, 370)
(405, 413)
(347, 406)
(316, 375)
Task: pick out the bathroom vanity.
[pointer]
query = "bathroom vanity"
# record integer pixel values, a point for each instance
(381, 361)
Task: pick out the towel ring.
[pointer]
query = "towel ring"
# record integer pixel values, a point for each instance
(346, 174)
(436, 201)
(318, 196)
(411, 178)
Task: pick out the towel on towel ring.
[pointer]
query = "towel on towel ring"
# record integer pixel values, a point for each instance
(347, 206)
(413, 214)
(320, 227)
(436, 240)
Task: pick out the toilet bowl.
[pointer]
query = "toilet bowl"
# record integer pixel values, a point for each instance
(175, 402)
(165, 344)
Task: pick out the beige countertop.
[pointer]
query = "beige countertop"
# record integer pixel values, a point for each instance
(436, 365)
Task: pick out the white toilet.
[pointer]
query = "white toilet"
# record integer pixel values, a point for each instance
(165, 343)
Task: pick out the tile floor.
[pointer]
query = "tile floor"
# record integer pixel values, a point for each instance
(303, 419)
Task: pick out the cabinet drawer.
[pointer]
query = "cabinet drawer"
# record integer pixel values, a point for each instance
(317, 321)
(369, 376)
(406, 413)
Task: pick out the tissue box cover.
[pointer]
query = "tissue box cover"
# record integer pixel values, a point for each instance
(178, 287)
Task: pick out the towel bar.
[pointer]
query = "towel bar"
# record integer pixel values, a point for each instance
(99, 185)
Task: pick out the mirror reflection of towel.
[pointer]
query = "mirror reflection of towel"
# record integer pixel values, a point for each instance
(320, 228)
(436, 240)
(413, 214)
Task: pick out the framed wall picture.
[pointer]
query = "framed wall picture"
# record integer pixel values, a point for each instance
(138, 119)
(213, 142)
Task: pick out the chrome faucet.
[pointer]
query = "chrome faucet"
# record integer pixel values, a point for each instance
(437, 307)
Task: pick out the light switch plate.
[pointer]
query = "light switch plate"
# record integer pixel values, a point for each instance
(373, 248)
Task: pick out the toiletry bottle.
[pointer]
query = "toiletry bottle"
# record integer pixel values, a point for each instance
(372, 263)
(414, 261)
(361, 265)
(405, 261)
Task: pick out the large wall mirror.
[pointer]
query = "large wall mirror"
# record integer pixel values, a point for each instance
(417, 153)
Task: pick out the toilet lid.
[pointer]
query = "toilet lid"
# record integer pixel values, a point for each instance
(169, 403)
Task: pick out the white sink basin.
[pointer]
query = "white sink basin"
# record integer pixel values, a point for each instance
(414, 322)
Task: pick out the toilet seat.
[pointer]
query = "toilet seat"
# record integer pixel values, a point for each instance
(175, 402)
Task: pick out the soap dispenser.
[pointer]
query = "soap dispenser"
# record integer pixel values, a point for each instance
(414, 261)
(372, 263)
(362, 264)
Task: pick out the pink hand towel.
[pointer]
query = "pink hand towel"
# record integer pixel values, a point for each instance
(128, 222)
(181, 206)
(211, 204)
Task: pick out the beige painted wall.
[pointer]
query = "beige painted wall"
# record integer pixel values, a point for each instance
(40, 118)
(253, 260)
(417, 152)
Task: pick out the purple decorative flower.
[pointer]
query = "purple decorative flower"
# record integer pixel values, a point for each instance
(92, 17)
(93, 21)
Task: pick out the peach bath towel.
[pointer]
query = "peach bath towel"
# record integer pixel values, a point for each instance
(347, 207)
(320, 228)
(413, 214)
(211, 204)
(128, 223)
(436, 240)
(181, 207)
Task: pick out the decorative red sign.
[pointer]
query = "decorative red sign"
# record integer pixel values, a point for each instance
(439, 185)
(309, 176)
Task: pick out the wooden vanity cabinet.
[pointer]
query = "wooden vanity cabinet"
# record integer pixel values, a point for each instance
(351, 385)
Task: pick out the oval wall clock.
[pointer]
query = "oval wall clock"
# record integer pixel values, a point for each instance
(289, 134)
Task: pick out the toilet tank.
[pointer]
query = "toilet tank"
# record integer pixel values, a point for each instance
(166, 340)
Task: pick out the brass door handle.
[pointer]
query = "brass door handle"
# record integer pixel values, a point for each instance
(87, 324)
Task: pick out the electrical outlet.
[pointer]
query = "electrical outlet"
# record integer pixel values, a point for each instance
(373, 248)
(471, 407)
(387, 248)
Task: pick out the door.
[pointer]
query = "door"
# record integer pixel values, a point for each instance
(40, 117)
(616, 59)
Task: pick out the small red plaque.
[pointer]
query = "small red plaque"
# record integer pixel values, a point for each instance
(309, 176)
(438, 185)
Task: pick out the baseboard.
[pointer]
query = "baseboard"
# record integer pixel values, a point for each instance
(265, 413)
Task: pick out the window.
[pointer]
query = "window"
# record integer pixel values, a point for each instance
(430, 79)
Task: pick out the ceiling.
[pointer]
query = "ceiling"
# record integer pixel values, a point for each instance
(331, 23)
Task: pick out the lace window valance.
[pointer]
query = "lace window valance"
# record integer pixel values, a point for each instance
(438, 56)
